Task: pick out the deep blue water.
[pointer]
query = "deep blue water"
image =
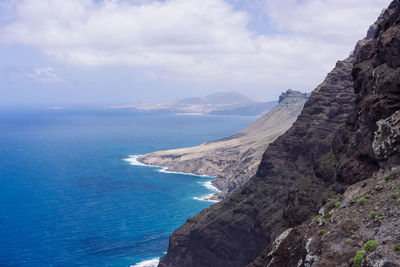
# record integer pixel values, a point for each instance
(67, 197)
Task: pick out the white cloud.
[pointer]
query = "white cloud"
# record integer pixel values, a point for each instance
(340, 21)
(43, 75)
(197, 40)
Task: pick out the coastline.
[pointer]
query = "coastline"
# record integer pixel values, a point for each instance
(211, 197)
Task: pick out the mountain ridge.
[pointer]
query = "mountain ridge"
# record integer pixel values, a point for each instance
(234, 159)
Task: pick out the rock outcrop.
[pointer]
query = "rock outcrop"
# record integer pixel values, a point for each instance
(368, 211)
(344, 141)
(235, 159)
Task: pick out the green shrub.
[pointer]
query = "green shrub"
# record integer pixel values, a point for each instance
(398, 201)
(397, 247)
(393, 196)
(321, 232)
(367, 196)
(346, 242)
(356, 196)
(358, 258)
(378, 203)
(371, 245)
(381, 218)
(353, 236)
(361, 201)
(337, 204)
(316, 217)
(330, 159)
(328, 215)
(386, 177)
(373, 214)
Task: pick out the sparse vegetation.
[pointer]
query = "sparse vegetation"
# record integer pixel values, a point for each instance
(353, 236)
(330, 159)
(373, 214)
(393, 197)
(361, 201)
(386, 177)
(346, 242)
(398, 201)
(358, 258)
(379, 136)
(328, 215)
(381, 218)
(337, 204)
(316, 217)
(321, 232)
(371, 245)
(397, 247)
(367, 196)
(356, 196)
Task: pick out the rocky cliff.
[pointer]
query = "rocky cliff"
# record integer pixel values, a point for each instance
(362, 227)
(284, 192)
(235, 159)
(346, 140)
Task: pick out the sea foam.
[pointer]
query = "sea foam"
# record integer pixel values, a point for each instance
(133, 160)
(210, 186)
(148, 263)
(208, 197)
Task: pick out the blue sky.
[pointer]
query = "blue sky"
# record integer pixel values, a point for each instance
(58, 52)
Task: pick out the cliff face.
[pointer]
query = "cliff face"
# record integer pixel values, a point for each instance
(235, 159)
(284, 192)
(368, 158)
(345, 140)
(376, 79)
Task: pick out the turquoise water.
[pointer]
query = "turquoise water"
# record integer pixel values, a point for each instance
(67, 197)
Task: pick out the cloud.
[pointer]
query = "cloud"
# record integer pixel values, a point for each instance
(200, 41)
(46, 75)
(43, 75)
(340, 21)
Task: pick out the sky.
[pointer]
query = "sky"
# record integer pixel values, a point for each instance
(59, 52)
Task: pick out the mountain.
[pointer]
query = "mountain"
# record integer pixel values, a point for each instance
(223, 103)
(235, 159)
(344, 146)
(220, 98)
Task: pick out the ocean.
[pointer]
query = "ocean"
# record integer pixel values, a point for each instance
(70, 197)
